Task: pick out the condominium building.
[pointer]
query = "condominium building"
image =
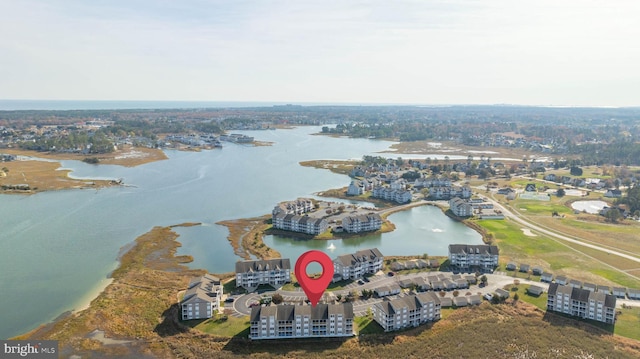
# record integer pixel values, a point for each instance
(465, 256)
(460, 207)
(299, 206)
(409, 311)
(275, 272)
(389, 194)
(301, 321)
(582, 303)
(301, 224)
(352, 266)
(362, 223)
(202, 298)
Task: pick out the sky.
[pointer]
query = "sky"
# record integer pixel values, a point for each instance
(542, 52)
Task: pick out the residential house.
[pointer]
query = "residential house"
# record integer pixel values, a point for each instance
(620, 292)
(535, 290)
(524, 268)
(421, 284)
(202, 298)
(537, 270)
(301, 321)
(460, 301)
(511, 266)
(446, 302)
(465, 256)
(575, 283)
(589, 286)
(406, 283)
(546, 277)
(408, 311)
(462, 283)
(397, 266)
(582, 303)
(633, 293)
(474, 299)
(471, 279)
(613, 193)
(562, 280)
(386, 290)
(501, 293)
(353, 266)
(604, 289)
(362, 223)
(275, 272)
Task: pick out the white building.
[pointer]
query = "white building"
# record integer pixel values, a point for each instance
(297, 223)
(275, 272)
(299, 206)
(301, 321)
(409, 311)
(362, 223)
(467, 256)
(202, 298)
(356, 188)
(388, 194)
(582, 303)
(353, 266)
(460, 207)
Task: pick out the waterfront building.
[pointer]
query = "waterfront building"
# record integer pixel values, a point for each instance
(353, 266)
(460, 207)
(202, 298)
(409, 311)
(275, 272)
(362, 223)
(301, 321)
(465, 256)
(582, 303)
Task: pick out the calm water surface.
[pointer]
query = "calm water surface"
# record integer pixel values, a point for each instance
(58, 247)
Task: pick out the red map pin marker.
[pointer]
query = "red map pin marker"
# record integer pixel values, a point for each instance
(314, 288)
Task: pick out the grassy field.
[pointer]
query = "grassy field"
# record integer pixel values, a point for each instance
(225, 326)
(555, 257)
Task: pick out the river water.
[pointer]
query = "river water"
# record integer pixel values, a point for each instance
(57, 248)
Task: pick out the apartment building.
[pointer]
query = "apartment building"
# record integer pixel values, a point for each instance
(362, 223)
(409, 311)
(201, 298)
(301, 321)
(301, 224)
(582, 303)
(353, 266)
(460, 207)
(275, 272)
(466, 256)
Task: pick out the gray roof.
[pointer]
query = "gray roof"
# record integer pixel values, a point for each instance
(263, 265)
(287, 312)
(411, 302)
(473, 249)
(460, 301)
(365, 255)
(202, 289)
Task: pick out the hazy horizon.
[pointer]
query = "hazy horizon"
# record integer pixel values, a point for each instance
(575, 53)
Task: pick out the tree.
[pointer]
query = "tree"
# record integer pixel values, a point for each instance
(613, 215)
(516, 297)
(575, 171)
(339, 297)
(456, 293)
(484, 280)
(277, 298)
(560, 192)
(5, 170)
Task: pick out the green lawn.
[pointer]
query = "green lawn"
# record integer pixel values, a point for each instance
(229, 327)
(366, 325)
(551, 255)
(628, 323)
(537, 207)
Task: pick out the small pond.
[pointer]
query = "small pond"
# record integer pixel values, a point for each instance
(589, 206)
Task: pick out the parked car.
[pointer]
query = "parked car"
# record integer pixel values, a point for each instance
(229, 300)
(488, 296)
(360, 282)
(391, 274)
